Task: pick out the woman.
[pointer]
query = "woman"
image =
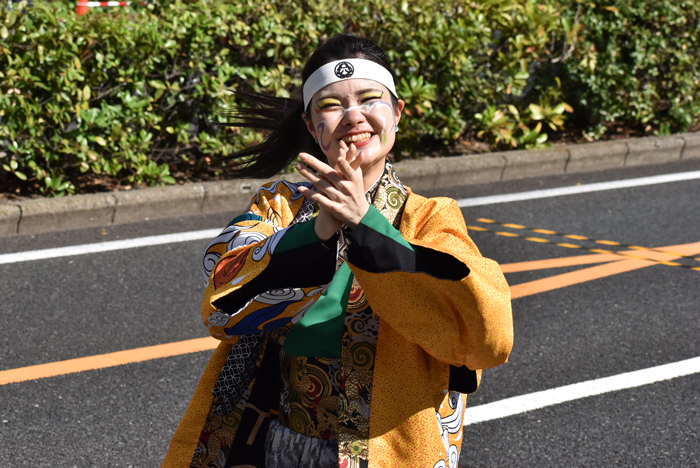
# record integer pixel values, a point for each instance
(354, 314)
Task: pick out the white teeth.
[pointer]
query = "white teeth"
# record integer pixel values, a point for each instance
(359, 138)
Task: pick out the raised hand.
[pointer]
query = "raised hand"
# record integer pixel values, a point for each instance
(341, 193)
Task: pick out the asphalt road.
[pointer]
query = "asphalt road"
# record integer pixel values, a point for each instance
(65, 308)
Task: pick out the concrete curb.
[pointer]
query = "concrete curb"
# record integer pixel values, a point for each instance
(101, 210)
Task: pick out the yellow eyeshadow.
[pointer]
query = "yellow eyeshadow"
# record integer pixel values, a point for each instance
(327, 101)
(373, 95)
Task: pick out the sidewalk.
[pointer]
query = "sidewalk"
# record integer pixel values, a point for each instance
(106, 209)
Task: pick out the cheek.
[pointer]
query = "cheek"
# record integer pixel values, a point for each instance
(383, 114)
(324, 135)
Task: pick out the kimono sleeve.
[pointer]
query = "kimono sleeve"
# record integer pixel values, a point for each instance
(263, 272)
(430, 283)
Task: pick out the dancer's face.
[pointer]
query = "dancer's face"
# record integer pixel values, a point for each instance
(357, 111)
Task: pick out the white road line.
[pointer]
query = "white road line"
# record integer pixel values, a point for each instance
(597, 187)
(555, 396)
(108, 246)
(211, 233)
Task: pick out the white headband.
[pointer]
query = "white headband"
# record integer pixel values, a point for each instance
(347, 69)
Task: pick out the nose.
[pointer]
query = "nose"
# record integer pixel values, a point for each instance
(354, 116)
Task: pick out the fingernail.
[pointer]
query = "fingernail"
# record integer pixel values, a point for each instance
(298, 166)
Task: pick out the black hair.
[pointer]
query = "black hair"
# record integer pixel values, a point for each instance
(282, 117)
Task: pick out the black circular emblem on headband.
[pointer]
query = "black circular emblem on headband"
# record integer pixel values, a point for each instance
(344, 70)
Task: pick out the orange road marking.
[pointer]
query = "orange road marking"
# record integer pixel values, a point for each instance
(613, 266)
(538, 239)
(607, 242)
(576, 277)
(570, 236)
(599, 271)
(659, 254)
(101, 361)
(570, 246)
(557, 263)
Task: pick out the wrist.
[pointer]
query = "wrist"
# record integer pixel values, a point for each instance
(323, 229)
(357, 219)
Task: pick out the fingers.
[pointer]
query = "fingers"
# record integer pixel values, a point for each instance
(346, 202)
(320, 182)
(352, 155)
(323, 201)
(343, 153)
(323, 169)
(349, 166)
(334, 175)
(349, 172)
(308, 173)
(357, 162)
(324, 175)
(339, 190)
(349, 152)
(315, 164)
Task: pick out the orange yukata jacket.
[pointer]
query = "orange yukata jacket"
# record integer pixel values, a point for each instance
(444, 315)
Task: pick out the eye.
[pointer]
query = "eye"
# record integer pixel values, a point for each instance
(372, 96)
(328, 104)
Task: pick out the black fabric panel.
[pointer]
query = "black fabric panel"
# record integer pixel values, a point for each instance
(302, 267)
(439, 264)
(376, 253)
(265, 396)
(462, 379)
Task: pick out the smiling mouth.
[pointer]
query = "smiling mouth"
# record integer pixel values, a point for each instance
(358, 138)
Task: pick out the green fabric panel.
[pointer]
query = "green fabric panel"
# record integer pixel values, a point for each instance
(376, 221)
(298, 235)
(320, 332)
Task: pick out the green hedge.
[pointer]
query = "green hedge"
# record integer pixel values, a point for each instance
(637, 63)
(131, 94)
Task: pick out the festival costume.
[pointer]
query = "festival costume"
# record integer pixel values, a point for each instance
(377, 335)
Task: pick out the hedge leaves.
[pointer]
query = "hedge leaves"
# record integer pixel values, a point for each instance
(131, 94)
